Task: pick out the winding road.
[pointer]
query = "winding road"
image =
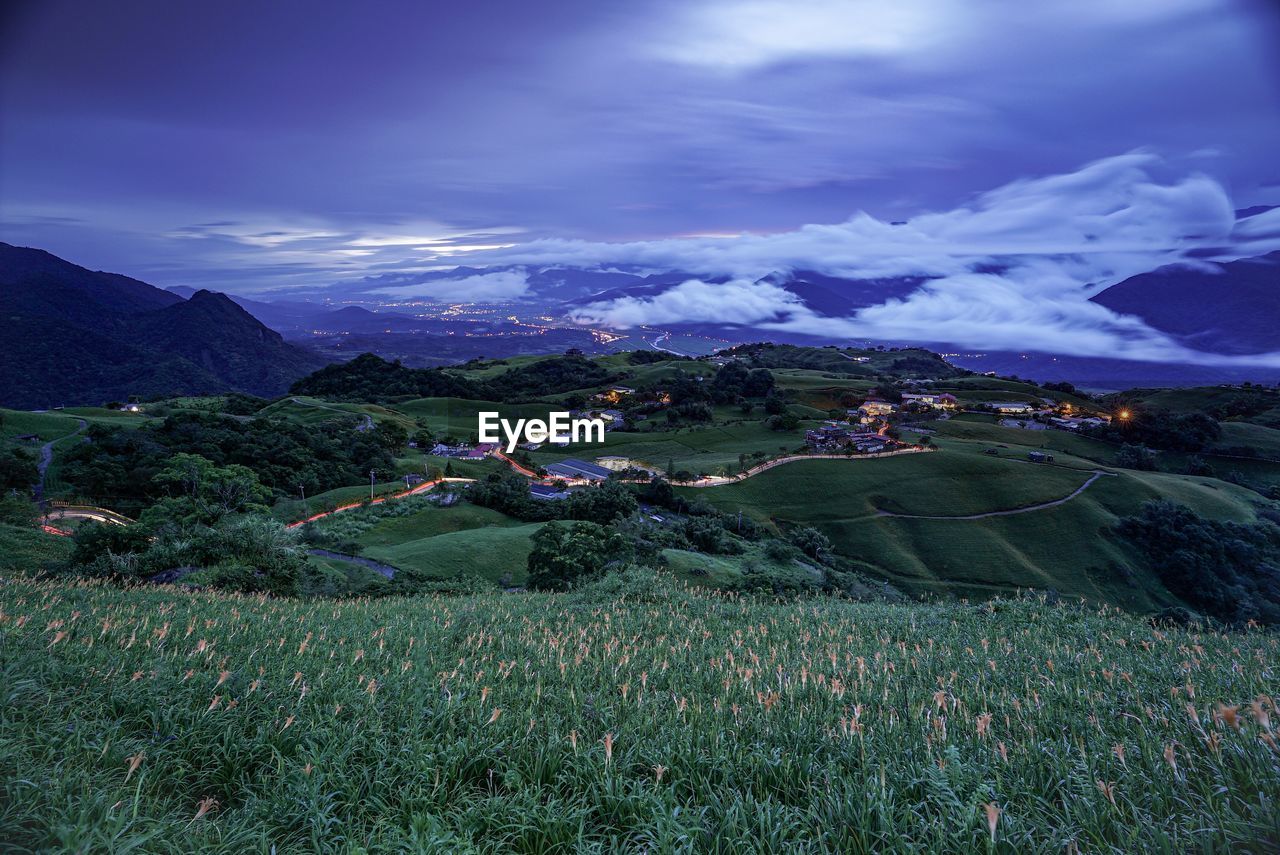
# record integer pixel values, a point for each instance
(1025, 510)
(46, 457)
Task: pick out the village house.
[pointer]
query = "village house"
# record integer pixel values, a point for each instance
(872, 410)
(442, 450)
(833, 436)
(1012, 407)
(942, 400)
(1077, 422)
(577, 471)
(615, 463)
(547, 491)
(614, 394)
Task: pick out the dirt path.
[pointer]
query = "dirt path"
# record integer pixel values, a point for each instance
(721, 480)
(46, 458)
(1028, 509)
(366, 420)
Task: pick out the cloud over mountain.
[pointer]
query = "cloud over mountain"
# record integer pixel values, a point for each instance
(1014, 269)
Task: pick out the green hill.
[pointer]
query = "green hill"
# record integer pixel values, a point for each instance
(1067, 547)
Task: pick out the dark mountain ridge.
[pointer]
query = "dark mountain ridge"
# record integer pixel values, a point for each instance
(76, 336)
(1231, 308)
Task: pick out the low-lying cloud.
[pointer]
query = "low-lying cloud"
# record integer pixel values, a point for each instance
(1012, 270)
(478, 288)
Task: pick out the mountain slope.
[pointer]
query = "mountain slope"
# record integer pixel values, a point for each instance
(72, 335)
(212, 331)
(1225, 308)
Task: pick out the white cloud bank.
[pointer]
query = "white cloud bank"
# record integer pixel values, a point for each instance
(480, 288)
(1012, 270)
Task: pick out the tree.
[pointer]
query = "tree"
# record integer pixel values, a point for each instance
(17, 469)
(759, 383)
(198, 492)
(1136, 457)
(564, 556)
(810, 541)
(391, 435)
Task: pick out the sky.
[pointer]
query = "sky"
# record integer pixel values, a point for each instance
(258, 147)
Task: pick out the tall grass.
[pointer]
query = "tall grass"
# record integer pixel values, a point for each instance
(631, 718)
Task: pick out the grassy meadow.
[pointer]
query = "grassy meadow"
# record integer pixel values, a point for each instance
(640, 718)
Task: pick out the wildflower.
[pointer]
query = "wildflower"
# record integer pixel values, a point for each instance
(208, 803)
(1118, 750)
(993, 816)
(307, 769)
(1259, 709)
(1171, 758)
(222, 678)
(608, 747)
(134, 762)
(497, 711)
(983, 722)
(1108, 789)
(658, 772)
(1229, 715)
(217, 699)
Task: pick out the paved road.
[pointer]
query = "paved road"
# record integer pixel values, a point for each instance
(86, 512)
(1028, 509)
(46, 457)
(421, 488)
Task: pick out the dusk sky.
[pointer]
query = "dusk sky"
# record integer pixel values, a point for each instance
(254, 146)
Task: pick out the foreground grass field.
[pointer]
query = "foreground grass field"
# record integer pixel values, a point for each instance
(155, 720)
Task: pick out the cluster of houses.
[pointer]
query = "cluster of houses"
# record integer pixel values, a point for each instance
(1049, 413)
(875, 409)
(614, 394)
(834, 437)
(463, 451)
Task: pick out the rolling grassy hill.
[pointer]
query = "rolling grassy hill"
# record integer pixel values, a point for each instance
(712, 449)
(1067, 548)
(493, 552)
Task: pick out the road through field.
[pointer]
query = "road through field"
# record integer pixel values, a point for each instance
(46, 457)
(1040, 507)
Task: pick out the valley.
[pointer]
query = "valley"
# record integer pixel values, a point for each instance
(953, 502)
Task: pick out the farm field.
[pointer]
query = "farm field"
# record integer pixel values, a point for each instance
(667, 721)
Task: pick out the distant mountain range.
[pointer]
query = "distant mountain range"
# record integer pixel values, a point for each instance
(76, 336)
(1229, 308)
(72, 335)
